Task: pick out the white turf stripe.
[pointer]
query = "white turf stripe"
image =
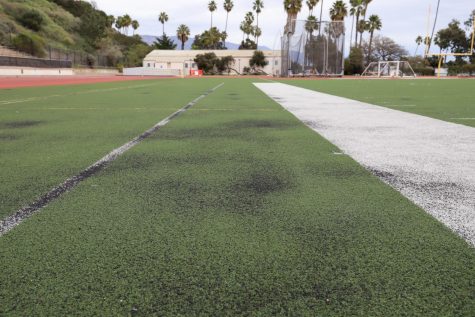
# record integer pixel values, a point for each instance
(14, 220)
(429, 161)
(462, 118)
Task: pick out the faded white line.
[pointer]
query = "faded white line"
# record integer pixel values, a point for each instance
(18, 217)
(430, 161)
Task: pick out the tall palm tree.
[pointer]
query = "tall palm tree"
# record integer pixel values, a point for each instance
(212, 7)
(127, 21)
(358, 6)
(163, 17)
(228, 6)
(257, 7)
(321, 16)
(374, 24)
(135, 25)
(311, 25)
(311, 4)
(183, 33)
(419, 41)
(365, 10)
(338, 11)
(292, 7)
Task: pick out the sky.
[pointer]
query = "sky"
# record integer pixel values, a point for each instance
(403, 20)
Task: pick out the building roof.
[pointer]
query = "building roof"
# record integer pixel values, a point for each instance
(187, 54)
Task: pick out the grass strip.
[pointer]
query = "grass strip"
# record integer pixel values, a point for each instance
(235, 213)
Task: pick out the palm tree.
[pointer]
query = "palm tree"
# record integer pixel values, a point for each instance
(135, 25)
(419, 41)
(212, 7)
(228, 6)
(321, 16)
(119, 23)
(183, 33)
(163, 17)
(292, 7)
(311, 25)
(374, 24)
(338, 11)
(311, 4)
(365, 10)
(257, 7)
(127, 21)
(356, 9)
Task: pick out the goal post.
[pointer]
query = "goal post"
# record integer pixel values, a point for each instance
(389, 69)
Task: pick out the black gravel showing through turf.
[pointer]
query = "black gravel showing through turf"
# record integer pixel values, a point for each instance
(14, 220)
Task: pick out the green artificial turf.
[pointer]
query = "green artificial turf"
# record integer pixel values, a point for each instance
(235, 208)
(50, 134)
(449, 100)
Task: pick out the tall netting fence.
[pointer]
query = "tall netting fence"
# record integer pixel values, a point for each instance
(314, 49)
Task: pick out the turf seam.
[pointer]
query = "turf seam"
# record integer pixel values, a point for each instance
(19, 216)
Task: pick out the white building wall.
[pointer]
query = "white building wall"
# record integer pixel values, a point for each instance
(184, 60)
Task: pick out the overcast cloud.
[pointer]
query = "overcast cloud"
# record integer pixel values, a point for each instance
(402, 20)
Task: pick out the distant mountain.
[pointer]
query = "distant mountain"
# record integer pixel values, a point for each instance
(149, 39)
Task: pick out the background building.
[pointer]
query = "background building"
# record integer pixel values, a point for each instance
(182, 62)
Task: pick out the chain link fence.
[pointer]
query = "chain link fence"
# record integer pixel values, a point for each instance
(314, 49)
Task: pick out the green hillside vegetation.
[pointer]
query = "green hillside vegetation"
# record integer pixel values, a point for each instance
(35, 26)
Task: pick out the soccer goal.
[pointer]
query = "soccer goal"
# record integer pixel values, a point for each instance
(388, 69)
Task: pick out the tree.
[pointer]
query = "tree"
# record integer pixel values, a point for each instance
(206, 62)
(355, 63)
(338, 11)
(258, 60)
(311, 4)
(365, 10)
(224, 64)
(135, 25)
(228, 6)
(292, 8)
(311, 25)
(257, 7)
(384, 49)
(127, 21)
(119, 23)
(212, 7)
(356, 7)
(183, 33)
(374, 24)
(419, 41)
(209, 39)
(248, 44)
(164, 43)
(163, 17)
(453, 39)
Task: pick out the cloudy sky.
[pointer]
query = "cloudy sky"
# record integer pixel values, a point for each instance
(402, 20)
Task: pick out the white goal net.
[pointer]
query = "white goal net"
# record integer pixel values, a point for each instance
(389, 69)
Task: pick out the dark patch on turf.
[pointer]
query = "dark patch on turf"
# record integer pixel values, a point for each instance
(8, 137)
(261, 124)
(20, 124)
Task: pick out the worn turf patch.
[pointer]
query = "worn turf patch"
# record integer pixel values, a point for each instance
(257, 221)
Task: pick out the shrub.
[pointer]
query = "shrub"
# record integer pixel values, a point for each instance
(29, 44)
(32, 20)
(355, 61)
(258, 60)
(469, 69)
(424, 71)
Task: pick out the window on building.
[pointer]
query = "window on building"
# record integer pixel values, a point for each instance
(186, 65)
(194, 65)
(276, 62)
(148, 64)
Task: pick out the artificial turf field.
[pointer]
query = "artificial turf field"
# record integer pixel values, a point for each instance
(234, 208)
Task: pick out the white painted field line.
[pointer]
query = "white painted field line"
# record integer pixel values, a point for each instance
(429, 161)
(462, 118)
(18, 217)
(15, 101)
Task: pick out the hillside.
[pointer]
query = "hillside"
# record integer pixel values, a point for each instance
(38, 26)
